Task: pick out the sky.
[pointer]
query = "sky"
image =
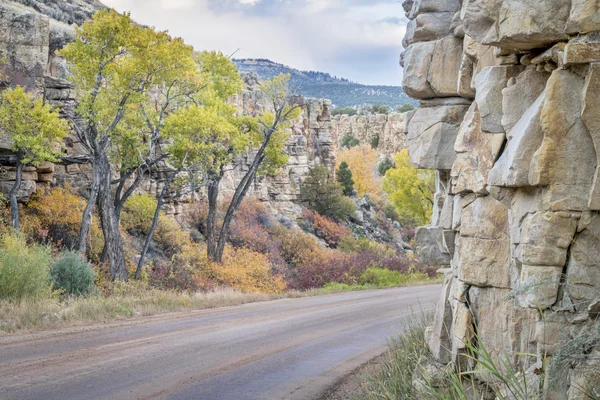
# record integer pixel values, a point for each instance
(355, 39)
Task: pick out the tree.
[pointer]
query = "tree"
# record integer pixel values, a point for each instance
(405, 108)
(323, 195)
(410, 190)
(114, 64)
(34, 129)
(385, 166)
(268, 143)
(344, 111)
(362, 161)
(379, 109)
(349, 141)
(344, 178)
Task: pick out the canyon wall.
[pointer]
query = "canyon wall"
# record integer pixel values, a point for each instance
(29, 41)
(387, 129)
(510, 120)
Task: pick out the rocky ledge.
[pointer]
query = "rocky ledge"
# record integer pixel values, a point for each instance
(510, 119)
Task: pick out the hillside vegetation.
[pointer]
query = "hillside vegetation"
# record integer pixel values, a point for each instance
(342, 92)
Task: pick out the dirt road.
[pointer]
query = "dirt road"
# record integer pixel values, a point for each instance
(285, 349)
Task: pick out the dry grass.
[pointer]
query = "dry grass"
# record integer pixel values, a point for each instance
(128, 301)
(53, 313)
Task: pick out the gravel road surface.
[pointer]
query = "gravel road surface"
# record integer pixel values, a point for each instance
(284, 349)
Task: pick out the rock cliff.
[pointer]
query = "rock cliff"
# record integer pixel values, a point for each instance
(386, 129)
(509, 118)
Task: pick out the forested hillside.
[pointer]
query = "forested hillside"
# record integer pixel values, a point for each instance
(342, 92)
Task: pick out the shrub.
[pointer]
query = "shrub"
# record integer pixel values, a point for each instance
(381, 277)
(24, 270)
(325, 196)
(247, 271)
(349, 141)
(344, 178)
(405, 108)
(73, 275)
(375, 142)
(54, 217)
(138, 213)
(385, 166)
(325, 228)
(344, 111)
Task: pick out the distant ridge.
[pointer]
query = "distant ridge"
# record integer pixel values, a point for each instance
(342, 92)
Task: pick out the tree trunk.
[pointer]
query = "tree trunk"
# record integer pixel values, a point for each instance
(236, 201)
(110, 225)
(120, 200)
(86, 219)
(159, 204)
(14, 205)
(211, 228)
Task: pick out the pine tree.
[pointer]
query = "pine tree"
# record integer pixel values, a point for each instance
(344, 177)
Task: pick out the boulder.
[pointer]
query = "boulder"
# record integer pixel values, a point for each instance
(591, 119)
(24, 193)
(432, 132)
(520, 94)
(484, 245)
(429, 246)
(445, 66)
(517, 24)
(505, 330)
(566, 160)
(417, 59)
(583, 269)
(489, 84)
(426, 27)
(476, 154)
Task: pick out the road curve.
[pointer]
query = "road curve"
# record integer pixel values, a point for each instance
(284, 349)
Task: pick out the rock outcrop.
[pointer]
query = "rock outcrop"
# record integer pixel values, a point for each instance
(510, 119)
(386, 129)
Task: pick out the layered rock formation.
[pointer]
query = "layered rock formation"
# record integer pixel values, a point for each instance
(510, 119)
(387, 129)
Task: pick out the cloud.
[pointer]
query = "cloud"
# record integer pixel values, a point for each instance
(356, 39)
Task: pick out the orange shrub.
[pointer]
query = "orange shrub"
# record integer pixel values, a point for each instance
(248, 271)
(54, 216)
(325, 228)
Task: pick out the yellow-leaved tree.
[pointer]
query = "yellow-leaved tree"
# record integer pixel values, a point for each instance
(35, 130)
(410, 190)
(362, 161)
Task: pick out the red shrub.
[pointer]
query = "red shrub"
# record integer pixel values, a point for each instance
(325, 228)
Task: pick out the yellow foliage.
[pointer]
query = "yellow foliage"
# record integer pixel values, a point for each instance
(55, 215)
(247, 271)
(410, 190)
(138, 213)
(170, 235)
(362, 161)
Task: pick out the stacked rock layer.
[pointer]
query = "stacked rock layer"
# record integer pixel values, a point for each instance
(510, 120)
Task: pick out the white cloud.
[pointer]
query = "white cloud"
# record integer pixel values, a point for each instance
(349, 38)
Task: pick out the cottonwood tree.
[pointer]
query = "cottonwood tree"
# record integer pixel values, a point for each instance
(204, 136)
(114, 64)
(411, 191)
(268, 146)
(35, 131)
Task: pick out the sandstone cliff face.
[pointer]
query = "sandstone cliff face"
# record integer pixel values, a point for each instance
(510, 119)
(388, 129)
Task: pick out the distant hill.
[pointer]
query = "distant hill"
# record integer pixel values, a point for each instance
(342, 92)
